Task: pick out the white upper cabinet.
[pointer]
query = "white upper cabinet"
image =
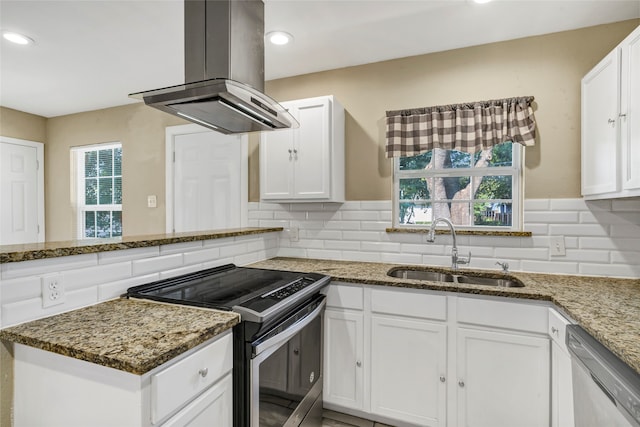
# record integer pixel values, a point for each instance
(611, 124)
(307, 163)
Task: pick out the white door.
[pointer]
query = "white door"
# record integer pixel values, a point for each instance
(503, 379)
(21, 192)
(343, 364)
(408, 367)
(209, 180)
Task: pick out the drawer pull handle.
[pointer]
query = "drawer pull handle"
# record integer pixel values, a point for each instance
(358, 363)
(461, 383)
(554, 330)
(203, 372)
(442, 378)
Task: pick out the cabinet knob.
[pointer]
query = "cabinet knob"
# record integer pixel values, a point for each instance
(611, 122)
(461, 383)
(442, 378)
(203, 372)
(296, 351)
(358, 363)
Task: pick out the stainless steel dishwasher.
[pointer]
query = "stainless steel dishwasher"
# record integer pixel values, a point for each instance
(606, 391)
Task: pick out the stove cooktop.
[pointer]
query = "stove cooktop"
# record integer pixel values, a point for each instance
(254, 293)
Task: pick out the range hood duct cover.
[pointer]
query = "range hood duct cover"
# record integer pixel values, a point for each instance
(224, 70)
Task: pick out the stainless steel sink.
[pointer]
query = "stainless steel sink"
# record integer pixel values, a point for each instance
(489, 281)
(464, 279)
(432, 276)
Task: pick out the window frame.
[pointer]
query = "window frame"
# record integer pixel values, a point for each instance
(78, 156)
(516, 170)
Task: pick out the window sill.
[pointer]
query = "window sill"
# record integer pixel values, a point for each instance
(463, 232)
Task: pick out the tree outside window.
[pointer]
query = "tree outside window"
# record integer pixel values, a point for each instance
(473, 190)
(99, 190)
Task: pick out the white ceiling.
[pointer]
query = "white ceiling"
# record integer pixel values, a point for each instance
(90, 54)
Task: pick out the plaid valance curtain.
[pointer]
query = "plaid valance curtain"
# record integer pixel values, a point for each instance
(468, 127)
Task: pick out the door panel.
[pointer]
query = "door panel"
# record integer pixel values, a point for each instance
(18, 194)
(208, 181)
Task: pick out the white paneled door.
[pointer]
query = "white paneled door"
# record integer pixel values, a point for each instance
(209, 184)
(21, 192)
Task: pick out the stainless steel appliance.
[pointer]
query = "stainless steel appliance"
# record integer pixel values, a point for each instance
(277, 372)
(224, 70)
(606, 391)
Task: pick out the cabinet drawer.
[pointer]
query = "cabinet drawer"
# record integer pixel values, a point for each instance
(174, 386)
(526, 316)
(409, 303)
(557, 327)
(345, 296)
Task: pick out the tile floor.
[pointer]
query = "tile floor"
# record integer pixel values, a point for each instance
(337, 419)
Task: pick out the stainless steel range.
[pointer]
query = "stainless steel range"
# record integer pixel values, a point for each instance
(277, 370)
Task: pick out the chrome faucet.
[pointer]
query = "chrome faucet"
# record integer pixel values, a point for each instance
(431, 237)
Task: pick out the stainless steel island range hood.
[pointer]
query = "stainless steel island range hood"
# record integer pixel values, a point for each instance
(224, 70)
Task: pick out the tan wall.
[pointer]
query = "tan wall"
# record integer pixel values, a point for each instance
(17, 124)
(141, 130)
(548, 67)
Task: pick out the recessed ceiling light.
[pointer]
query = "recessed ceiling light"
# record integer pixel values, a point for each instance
(279, 37)
(481, 1)
(17, 38)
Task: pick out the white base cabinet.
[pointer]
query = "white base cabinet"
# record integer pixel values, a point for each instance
(610, 129)
(417, 358)
(54, 390)
(502, 379)
(305, 164)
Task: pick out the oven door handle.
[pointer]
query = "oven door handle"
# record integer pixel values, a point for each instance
(291, 330)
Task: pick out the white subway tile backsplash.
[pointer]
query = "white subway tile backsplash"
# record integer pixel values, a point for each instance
(361, 235)
(175, 248)
(522, 253)
(360, 215)
(619, 230)
(22, 288)
(361, 256)
(293, 252)
(578, 230)
(201, 256)
(632, 205)
(611, 270)
(551, 217)
(536, 205)
(113, 290)
(342, 245)
(374, 225)
(401, 258)
(586, 256)
(160, 263)
(567, 205)
(48, 265)
(128, 255)
(549, 267)
(86, 277)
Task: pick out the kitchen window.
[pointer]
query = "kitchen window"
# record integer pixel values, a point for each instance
(98, 180)
(481, 190)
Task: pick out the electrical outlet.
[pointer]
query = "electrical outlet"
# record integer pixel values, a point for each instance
(294, 234)
(556, 246)
(52, 290)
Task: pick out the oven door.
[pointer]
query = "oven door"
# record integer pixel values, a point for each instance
(286, 373)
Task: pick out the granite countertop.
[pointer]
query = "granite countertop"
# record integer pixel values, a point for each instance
(134, 336)
(608, 308)
(27, 252)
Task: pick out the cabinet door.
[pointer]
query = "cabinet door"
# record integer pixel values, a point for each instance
(503, 379)
(211, 408)
(343, 364)
(599, 132)
(312, 165)
(408, 368)
(561, 388)
(276, 163)
(630, 111)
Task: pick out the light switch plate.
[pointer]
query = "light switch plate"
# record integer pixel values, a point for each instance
(152, 202)
(556, 246)
(294, 234)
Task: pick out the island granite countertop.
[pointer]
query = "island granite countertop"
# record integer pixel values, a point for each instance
(608, 308)
(134, 336)
(31, 251)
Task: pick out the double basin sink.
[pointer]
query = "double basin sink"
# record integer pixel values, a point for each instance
(466, 279)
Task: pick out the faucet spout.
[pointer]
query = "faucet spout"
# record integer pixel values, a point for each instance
(431, 237)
